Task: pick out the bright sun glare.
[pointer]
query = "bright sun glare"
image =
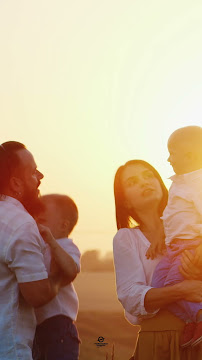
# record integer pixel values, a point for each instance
(89, 85)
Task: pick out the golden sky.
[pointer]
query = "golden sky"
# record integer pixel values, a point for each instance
(88, 85)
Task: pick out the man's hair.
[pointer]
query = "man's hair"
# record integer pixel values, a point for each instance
(67, 206)
(9, 161)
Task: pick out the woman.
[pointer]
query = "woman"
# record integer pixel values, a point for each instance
(140, 198)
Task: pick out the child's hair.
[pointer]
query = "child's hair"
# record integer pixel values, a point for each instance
(67, 206)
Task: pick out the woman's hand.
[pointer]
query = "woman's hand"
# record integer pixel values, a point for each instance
(198, 256)
(188, 268)
(189, 290)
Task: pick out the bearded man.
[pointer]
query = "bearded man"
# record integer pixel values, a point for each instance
(24, 282)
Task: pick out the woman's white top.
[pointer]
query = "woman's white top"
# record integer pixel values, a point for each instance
(133, 272)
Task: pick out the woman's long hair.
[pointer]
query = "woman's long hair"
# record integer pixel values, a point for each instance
(127, 218)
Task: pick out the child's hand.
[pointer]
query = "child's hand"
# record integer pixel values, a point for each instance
(155, 249)
(198, 256)
(45, 233)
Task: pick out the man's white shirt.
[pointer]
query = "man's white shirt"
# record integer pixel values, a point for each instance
(21, 260)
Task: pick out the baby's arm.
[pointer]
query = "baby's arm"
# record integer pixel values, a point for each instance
(61, 263)
(155, 249)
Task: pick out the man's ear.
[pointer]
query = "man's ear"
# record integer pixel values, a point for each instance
(16, 184)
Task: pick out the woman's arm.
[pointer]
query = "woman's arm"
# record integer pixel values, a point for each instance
(137, 297)
(190, 290)
(131, 283)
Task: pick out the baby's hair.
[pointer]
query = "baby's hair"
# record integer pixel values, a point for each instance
(191, 136)
(67, 207)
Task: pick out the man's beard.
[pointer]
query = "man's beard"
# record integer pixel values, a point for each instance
(32, 202)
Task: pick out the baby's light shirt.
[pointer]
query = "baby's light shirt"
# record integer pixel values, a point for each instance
(66, 301)
(182, 216)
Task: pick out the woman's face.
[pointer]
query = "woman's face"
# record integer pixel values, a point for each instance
(140, 187)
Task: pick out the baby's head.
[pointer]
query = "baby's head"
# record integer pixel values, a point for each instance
(59, 213)
(185, 148)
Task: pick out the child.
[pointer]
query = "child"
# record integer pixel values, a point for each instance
(183, 223)
(56, 336)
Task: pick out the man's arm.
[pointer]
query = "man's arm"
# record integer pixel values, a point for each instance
(38, 293)
(24, 258)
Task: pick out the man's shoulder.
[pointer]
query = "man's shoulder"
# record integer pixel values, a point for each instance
(14, 215)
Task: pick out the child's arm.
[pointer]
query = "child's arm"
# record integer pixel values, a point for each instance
(155, 249)
(157, 246)
(61, 263)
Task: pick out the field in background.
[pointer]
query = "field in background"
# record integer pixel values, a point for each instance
(97, 291)
(101, 314)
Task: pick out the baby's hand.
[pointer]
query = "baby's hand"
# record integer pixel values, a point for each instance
(45, 233)
(198, 256)
(155, 249)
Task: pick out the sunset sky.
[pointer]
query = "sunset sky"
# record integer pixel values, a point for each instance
(87, 85)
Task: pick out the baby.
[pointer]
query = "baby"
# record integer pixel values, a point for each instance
(56, 335)
(182, 220)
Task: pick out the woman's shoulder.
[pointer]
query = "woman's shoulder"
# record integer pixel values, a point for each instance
(126, 235)
(126, 231)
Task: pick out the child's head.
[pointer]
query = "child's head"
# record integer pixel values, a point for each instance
(59, 213)
(185, 148)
